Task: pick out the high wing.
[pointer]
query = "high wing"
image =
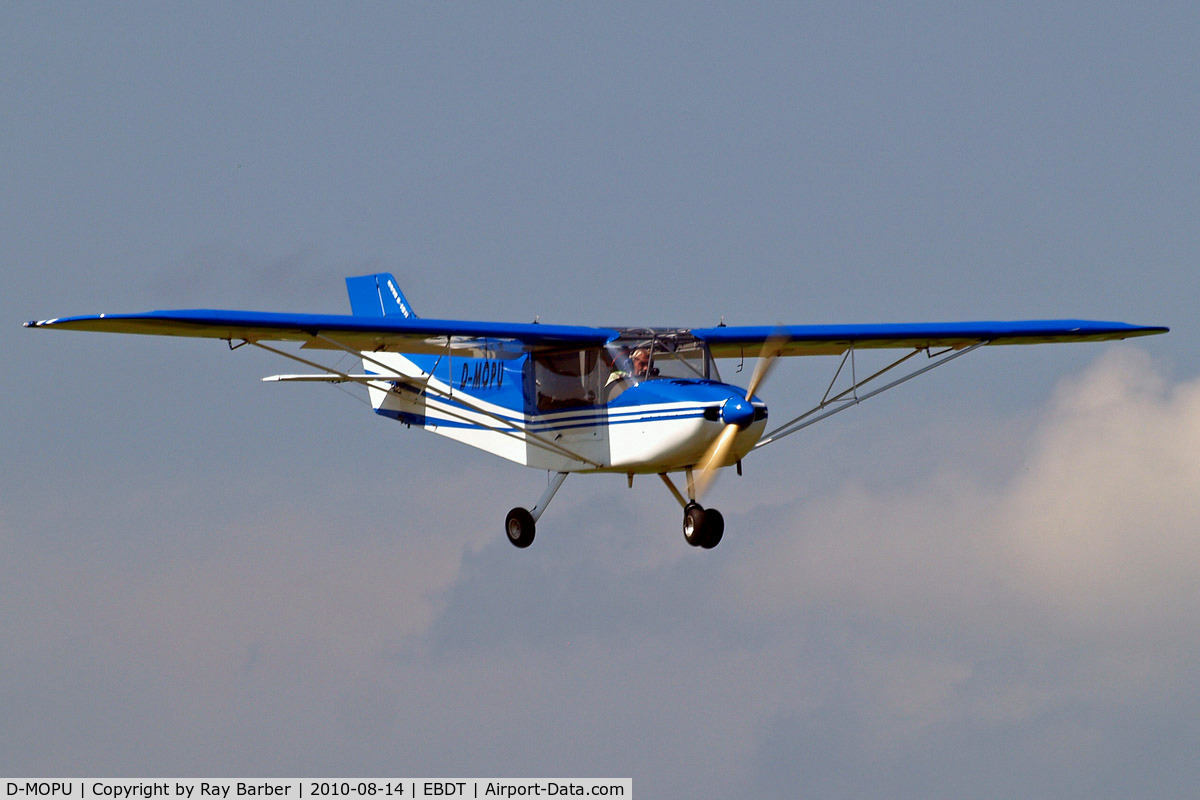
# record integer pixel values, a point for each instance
(337, 332)
(941, 342)
(814, 340)
(422, 335)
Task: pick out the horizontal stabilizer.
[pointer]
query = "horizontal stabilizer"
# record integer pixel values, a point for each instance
(334, 377)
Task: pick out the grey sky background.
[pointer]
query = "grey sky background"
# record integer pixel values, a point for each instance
(981, 585)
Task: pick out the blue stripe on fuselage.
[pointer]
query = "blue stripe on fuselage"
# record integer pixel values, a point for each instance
(501, 382)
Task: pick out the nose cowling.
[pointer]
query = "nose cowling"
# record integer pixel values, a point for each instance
(736, 411)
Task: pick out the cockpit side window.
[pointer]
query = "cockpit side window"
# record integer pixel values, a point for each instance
(569, 379)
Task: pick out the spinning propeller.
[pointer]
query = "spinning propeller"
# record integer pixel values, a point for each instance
(737, 415)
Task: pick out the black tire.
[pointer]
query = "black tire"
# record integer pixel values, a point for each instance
(694, 524)
(520, 527)
(714, 528)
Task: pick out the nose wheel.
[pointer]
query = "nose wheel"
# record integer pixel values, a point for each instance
(702, 527)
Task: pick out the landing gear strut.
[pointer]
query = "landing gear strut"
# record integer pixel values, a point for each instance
(520, 524)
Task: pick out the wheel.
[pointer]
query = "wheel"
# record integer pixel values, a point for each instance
(520, 527)
(693, 524)
(714, 529)
(702, 527)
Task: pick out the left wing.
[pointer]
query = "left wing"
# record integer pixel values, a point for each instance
(394, 334)
(815, 340)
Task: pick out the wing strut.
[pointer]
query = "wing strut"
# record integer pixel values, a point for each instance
(850, 397)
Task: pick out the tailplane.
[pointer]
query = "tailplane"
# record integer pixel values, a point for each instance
(377, 296)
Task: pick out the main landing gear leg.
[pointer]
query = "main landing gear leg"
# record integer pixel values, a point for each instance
(521, 524)
(702, 527)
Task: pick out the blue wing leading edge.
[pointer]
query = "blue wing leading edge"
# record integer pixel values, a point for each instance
(375, 326)
(375, 333)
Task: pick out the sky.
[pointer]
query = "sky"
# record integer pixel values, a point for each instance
(982, 584)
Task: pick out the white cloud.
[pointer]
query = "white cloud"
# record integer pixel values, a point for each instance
(1077, 574)
(1105, 517)
(1103, 508)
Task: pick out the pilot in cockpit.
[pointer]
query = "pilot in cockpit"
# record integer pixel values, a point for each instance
(635, 366)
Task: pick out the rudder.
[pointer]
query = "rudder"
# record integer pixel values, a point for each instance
(377, 295)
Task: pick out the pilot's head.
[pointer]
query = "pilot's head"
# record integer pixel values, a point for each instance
(641, 361)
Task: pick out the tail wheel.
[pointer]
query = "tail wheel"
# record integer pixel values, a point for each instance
(520, 527)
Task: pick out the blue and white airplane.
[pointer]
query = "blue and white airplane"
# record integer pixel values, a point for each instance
(568, 398)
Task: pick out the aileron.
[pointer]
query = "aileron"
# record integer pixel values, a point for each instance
(806, 340)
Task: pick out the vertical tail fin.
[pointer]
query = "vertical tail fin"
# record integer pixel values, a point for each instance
(377, 296)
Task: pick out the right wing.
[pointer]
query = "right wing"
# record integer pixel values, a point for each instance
(819, 340)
